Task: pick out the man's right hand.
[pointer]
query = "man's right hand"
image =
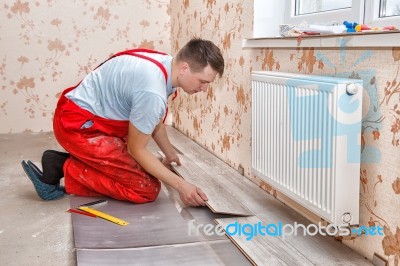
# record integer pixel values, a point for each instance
(191, 195)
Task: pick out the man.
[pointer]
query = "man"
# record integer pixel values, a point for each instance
(106, 121)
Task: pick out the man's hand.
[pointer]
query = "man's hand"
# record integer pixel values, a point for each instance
(191, 195)
(137, 141)
(172, 158)
(161, 138)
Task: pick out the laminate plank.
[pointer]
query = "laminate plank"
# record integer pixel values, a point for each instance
(321, 250)
(258, 201)
(263, 250)
(219, 199)
(153, 147)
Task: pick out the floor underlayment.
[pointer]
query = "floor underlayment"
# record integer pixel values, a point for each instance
(157, 234)
(34, 232)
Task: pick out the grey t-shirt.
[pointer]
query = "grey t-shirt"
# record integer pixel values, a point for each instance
(127, 88)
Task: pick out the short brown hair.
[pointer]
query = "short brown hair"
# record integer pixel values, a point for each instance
(199, 53)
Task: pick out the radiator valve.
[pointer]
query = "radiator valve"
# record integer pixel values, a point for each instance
(346, 217)
(352, 88)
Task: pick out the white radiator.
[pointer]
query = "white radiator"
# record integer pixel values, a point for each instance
(306, 140)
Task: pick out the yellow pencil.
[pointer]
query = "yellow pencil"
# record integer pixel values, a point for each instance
(103, 215)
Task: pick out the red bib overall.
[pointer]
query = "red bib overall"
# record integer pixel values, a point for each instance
(100, 163)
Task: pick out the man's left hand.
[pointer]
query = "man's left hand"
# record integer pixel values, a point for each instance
(172, 158)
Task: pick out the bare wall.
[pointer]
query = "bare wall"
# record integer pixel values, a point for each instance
(46, 46)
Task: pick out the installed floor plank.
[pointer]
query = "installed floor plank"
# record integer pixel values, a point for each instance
(319, 249)
(200, 253)
(219, 199)
(263, 250)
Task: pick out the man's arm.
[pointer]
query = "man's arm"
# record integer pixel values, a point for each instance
(160, 136)
(137, 142)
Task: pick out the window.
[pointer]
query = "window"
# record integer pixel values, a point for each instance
(303, 7)
(383, 13)
(377, 13)
(389, 8)
(324, 11)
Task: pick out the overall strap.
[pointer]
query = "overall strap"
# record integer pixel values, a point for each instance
(134, 52)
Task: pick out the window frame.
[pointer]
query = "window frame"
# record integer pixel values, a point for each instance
(371, 16)
(362, 12)
(330, 17)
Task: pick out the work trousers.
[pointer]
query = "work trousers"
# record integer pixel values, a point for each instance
(100, 163)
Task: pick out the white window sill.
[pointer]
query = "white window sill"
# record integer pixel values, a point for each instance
(358, 39)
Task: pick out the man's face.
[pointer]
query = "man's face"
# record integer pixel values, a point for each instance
(192, 82)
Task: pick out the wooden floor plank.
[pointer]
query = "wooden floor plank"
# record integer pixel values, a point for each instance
(263, 250)
(319, 249)
(219, 199)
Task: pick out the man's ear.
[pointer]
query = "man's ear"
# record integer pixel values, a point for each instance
(183, 67)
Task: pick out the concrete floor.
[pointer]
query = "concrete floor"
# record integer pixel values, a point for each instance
(36, 232)
(32, 231)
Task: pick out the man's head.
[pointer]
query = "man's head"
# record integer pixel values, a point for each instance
(198, 63)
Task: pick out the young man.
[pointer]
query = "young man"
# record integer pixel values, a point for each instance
(106, 121)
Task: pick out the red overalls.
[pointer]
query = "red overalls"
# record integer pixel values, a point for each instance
(100, 163)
